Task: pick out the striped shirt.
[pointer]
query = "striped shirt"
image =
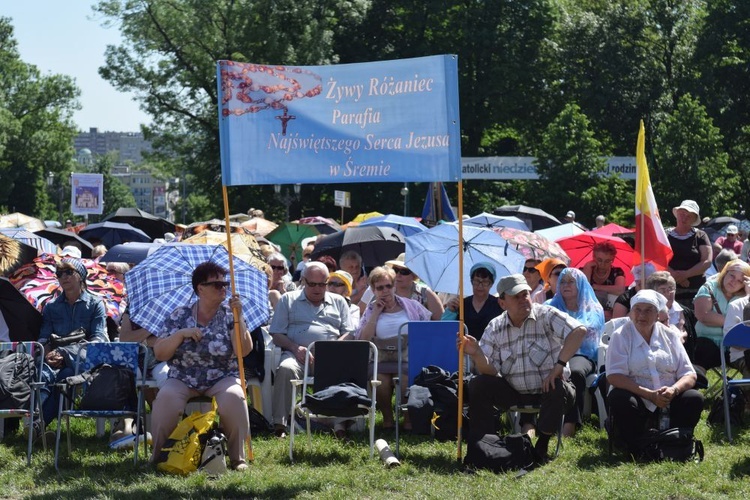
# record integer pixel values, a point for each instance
(526, 355)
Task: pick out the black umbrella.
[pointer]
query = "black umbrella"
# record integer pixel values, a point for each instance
(23, 320)
(535, 218)
(61, 236)
(718, 223)
(130, 253)
(374, 243)
(113, 233)
(153, 226)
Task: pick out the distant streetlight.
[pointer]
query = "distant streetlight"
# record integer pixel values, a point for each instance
(405, 194)
(51, 185)
(287, 198)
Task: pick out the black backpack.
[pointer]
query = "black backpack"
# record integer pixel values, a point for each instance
(502, 453)
(736, 408)
(110, 388)
(254, 362)
(676, 444)
(16, 370)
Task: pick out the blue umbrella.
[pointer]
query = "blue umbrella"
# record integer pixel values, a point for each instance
(404, 225)
(113, 233)
(43, 245)
(489, 221)
(163, 282)
(433, 256)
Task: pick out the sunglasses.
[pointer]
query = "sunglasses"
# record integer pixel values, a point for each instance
(64, 272)
(556, 273)
(402, 271)
(530, 269)
(478, 282)
(336, 284)
(380, 288)
(313, 284)
(218, 285)
(278, 268)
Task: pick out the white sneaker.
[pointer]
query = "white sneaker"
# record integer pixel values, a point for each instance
(128, 442)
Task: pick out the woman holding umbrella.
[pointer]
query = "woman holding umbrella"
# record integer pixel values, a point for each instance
(408, 287)
(198, 344)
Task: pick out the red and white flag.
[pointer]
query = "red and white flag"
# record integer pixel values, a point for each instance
(651, 243)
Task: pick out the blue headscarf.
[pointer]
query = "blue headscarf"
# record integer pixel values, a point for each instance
(590, 311)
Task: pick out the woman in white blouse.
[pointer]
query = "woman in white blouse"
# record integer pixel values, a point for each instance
(650, 373)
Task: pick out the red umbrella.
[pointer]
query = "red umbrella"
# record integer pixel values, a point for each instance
(580, 249)
(612, 229)
(37, 282)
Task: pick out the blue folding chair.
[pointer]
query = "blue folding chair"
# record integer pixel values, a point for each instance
(123, 354)
(738, 336)
(430, 343)
(33, 410)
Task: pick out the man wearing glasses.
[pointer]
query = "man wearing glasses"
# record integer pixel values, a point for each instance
(75, 308)
(302, 317)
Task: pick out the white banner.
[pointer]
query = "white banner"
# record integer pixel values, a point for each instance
(87, 194)
(522, 167)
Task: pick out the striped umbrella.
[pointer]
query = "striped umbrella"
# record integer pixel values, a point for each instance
(43, 245)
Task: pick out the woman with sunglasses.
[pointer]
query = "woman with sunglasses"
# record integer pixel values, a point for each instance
(549, 270)
(481, 306)
(281, 280)
(576, 297)
(198, 343)
(408, 286)
(380, 324)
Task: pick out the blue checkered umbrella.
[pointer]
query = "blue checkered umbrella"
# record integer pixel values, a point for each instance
(162, 282)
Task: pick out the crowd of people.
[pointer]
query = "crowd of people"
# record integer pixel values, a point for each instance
(533, 339)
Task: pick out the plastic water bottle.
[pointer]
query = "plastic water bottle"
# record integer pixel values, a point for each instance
(664, 419)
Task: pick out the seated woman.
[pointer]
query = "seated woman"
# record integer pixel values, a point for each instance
(649, 371)
(549, 270)
(407, 285)
(710, 304)
(605, 279)
(481, 306)
(381, 322)
(198, 343)
(281, 280)
(575, 297)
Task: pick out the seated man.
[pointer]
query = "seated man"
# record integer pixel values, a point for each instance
(302, 317)
(520, 360)
(74, 308)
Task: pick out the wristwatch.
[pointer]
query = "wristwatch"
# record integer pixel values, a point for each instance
(562, 363)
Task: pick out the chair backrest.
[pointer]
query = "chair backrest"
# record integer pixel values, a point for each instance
(112, 353)
(737, 336)
(432, 343)
(338, 362)
(34, 349)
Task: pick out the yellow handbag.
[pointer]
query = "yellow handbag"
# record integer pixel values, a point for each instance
(182, 452)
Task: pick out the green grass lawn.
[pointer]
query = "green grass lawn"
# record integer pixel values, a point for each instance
(333, 469)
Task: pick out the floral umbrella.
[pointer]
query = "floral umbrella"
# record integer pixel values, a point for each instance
(322, 224)
(38, 283)
(532, 245)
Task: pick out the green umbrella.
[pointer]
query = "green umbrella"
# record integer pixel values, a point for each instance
(289, 236)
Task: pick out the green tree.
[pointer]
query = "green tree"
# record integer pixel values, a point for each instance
(688, 147)
(36, 130)
(571, 167)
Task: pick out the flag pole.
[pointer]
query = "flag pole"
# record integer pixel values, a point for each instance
(460, 318)
(237, 313)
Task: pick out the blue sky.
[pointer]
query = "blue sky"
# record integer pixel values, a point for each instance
(64, 37)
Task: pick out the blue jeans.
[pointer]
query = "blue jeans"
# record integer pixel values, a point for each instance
(50, 392)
